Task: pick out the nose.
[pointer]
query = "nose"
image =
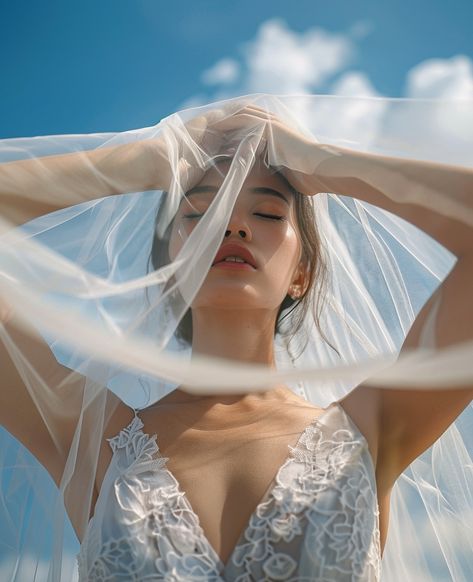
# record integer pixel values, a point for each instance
(241, 232)
(238, 225)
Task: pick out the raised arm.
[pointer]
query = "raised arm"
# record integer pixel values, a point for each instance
(42, 406)
(37, 186)
(40, 399)
(45, 427)
(399, 434)
(30, 188)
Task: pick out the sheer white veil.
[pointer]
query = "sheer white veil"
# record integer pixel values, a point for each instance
(80, 277)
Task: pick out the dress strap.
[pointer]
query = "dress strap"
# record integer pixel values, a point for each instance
(136, 412)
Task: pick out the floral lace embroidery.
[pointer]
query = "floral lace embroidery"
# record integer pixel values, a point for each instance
(319, 521)
(324, 490)
(137, 445)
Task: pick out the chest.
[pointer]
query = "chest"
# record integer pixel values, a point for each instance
(321, 506)
(225, 475)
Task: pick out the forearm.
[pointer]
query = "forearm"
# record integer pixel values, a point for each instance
(436, 198)
(37, 186)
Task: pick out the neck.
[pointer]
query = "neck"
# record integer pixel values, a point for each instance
(243, 336)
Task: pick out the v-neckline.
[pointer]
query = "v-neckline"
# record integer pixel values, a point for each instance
(222, 566)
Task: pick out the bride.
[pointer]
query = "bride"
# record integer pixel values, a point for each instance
(215, 495)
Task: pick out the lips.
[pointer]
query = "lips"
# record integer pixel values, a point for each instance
(233, 249)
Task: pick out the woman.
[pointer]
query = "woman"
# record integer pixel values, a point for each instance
(262, 514)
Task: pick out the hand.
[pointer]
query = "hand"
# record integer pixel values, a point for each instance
(297, 155)
(193, 145)
(220, 131)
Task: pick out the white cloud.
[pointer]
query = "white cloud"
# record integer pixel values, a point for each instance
(354, 84)
(225, 71)
(357, 118)
(283, 61)
(426, 127)
(280, 60)
(442, 79)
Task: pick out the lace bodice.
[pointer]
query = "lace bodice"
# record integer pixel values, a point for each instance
(317, 521)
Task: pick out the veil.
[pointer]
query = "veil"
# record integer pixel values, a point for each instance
(92, 307)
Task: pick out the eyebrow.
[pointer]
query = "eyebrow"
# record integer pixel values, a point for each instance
(258, 190)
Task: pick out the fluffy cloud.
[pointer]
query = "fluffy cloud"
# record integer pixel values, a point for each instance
(357, 117)
(280, 60)
(354, 84)
(225, 71)
(442, 79)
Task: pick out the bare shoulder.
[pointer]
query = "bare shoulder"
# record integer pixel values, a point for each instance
(362, 405)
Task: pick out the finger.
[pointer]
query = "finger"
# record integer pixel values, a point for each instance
(239, 121)
(253, 112)
(305, 184)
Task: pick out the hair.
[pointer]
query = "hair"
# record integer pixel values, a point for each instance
(312, 257)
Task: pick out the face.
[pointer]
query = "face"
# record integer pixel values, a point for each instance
(265, 211)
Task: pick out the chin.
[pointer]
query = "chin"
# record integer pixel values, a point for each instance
(230, 297)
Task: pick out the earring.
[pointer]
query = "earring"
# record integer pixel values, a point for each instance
(296, 293)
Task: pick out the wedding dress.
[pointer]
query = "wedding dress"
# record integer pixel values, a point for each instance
(318, 519)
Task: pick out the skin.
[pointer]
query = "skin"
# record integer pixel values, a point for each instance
(244, 302)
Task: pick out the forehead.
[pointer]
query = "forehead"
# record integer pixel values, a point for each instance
(259, 176)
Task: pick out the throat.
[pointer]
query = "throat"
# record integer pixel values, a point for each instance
(233, 331)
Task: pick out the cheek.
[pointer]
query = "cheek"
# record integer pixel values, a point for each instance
(283, 261)
(180, 232)
(176, 239)
(174, 246)
(289, 251)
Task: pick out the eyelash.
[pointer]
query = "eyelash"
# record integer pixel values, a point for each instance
(269, 216)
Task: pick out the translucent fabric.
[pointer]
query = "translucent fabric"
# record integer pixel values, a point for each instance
(93, 301)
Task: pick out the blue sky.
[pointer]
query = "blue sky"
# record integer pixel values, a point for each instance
(107, 65)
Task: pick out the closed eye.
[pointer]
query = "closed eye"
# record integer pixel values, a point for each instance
(192, 215)
(271, 216)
